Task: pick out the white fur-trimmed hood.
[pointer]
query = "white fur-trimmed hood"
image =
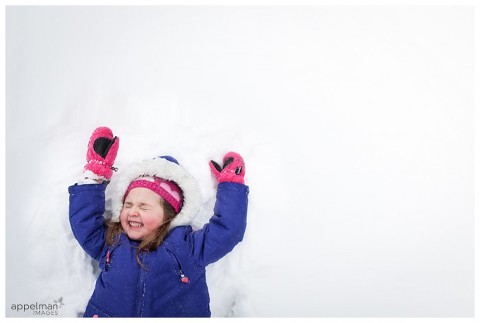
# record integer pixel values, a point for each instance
(160, 167)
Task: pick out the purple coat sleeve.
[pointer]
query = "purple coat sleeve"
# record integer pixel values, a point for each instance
(87, 205)
(225, 228)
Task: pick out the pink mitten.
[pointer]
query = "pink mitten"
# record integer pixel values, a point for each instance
(101, 153)
(233, 169)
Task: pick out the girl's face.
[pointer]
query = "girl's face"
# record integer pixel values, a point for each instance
(142, 213)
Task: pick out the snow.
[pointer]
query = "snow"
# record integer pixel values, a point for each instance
(355, 124)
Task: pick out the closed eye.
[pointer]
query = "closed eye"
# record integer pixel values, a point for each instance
(142, 206)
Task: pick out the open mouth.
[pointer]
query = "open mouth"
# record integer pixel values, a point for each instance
(135, 225)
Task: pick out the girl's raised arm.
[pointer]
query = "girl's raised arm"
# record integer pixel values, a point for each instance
(87, 201)
(227, 226)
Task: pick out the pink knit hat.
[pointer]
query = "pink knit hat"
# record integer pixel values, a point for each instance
(168, 190)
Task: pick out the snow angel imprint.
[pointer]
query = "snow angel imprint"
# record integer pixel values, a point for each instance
(152, 261)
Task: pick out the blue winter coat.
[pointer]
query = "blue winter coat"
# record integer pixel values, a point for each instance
(174, 284)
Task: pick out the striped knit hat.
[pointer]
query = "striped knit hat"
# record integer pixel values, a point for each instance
(168, 190)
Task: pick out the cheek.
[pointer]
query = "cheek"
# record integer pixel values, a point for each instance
(123, 216)
(123, 219)
(153, 221)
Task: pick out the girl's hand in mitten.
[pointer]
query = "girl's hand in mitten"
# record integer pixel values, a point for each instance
(233, 169)
(101, 154)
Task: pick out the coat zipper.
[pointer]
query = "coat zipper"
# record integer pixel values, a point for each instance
(183, 278)
(140, 292)
(108, 256)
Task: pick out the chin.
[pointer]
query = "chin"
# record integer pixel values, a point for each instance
(135, 236)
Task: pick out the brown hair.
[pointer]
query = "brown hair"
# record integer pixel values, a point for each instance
(150, 242)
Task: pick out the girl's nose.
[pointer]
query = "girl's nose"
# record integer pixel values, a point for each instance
(134, 211)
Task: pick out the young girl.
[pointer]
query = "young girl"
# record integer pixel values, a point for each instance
(152, 262)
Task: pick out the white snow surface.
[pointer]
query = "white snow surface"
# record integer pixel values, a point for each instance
(355, 124)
